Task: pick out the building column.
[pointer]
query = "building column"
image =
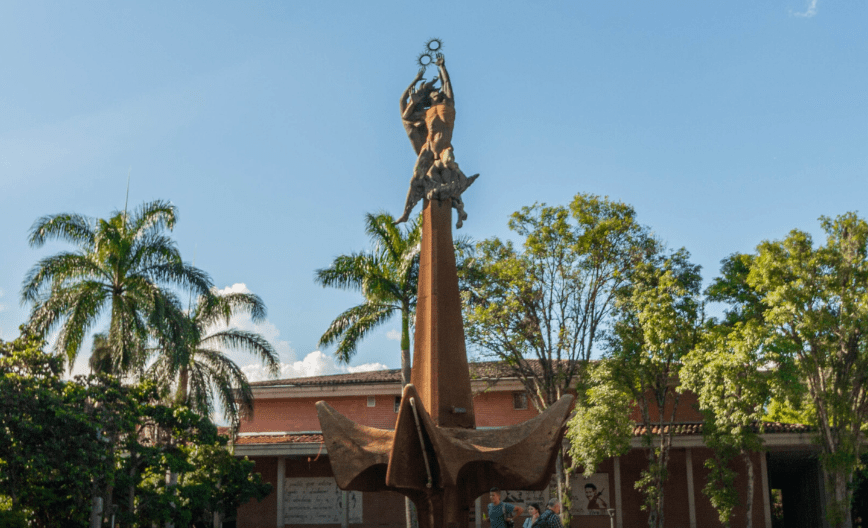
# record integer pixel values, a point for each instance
(767, 505)
(477, 505)
(691, 498)
(281, 480)
(345, 513)
(619, 511)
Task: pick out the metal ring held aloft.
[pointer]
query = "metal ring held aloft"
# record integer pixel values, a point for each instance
(425, 59)
(434, 44)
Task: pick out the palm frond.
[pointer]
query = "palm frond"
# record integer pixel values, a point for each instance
(58, 270)
(184, 275)
(75, 309)
(230, 382)
(353, 325)
(152, 216)
(152, 250)
(251, 342)
(199, 396)
(221, 307)
(347, 272)
(70, 227)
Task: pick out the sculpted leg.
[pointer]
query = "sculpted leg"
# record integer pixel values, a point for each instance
(417, 183)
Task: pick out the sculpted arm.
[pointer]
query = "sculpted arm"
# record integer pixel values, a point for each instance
(408, 106)
(444, 77)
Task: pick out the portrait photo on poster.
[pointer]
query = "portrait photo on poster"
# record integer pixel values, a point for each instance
(591, 495)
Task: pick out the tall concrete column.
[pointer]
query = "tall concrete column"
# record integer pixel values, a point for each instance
(438, 344)
(619, 510)
(345, 511)
(691, 498)
(767, 506)
(478, 512)
(281, 482)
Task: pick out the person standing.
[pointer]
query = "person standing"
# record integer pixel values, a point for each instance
(551, 517)
(533, 515)
(499, 513)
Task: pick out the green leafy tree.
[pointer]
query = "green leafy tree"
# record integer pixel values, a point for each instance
(387, 277)
(725, 371)
(815, 307)
(123, 267)
(56, 454)
(221, 483)
(657, 322)
(602, 425)
(206, 477)
(193, 360)
(541, 308)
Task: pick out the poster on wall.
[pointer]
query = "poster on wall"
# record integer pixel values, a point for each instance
(318, 500)
(523, 498)
(590, 495)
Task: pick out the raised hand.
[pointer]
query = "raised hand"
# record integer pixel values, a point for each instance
(441, 60)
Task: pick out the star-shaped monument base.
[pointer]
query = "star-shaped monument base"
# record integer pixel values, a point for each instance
(442, 469)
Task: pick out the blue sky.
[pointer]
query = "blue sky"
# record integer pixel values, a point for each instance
(274, 127)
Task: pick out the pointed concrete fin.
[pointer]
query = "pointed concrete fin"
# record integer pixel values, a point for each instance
(358, 454)
(406, 462)
(521, 456)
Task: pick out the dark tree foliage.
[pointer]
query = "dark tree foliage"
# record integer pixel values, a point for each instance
(64, 443)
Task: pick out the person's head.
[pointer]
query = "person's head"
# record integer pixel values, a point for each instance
(437, 97)
(533, 509)
(554, 505)
(590, 490)
(494, 496)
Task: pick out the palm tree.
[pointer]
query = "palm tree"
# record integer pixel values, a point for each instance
(387, 278)
(122, 268)
(191, 356)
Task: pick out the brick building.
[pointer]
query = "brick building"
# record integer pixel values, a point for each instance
(284, 440)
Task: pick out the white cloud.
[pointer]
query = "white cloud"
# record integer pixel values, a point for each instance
(238, 287)
(367, 367)
(394, 335)
(811, 11)
(315, 363)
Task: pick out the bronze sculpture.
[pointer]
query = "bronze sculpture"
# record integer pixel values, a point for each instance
(435, 455)
(428, 115)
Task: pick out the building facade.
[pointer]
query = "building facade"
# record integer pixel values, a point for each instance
(283, 437)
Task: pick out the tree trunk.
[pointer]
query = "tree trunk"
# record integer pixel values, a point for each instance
(559, 471)
(405, 345)
(406, 372)
(171, 483)
(839, 507)
(96, 507)
(183, 381)
(749, 502)
(131, 492)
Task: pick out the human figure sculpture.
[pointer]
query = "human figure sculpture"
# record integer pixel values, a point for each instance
(428, 115)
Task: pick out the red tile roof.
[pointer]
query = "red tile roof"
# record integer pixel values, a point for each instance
(280, 439)
(480, 370)
(681, 429)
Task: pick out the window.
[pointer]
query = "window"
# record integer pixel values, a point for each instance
(397, 404)
(372, 401)
(519, 401)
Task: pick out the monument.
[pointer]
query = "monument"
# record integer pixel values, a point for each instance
(435, 455)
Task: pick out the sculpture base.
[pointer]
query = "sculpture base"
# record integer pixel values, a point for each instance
(442, 469)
